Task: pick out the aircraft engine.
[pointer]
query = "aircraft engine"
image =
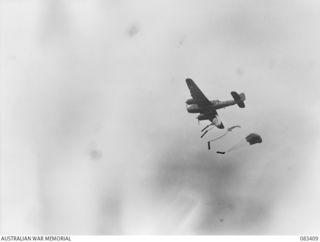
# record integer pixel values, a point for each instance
(202, 117)
(194, 108)
(191, 101)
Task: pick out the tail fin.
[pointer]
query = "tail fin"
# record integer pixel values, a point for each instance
(239, 98)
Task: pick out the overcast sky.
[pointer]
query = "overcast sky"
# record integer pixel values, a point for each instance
(95, 138)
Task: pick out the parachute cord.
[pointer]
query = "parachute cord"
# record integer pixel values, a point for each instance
(237, 146)
(219, 137)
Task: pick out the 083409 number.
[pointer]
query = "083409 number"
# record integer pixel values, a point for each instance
(309, 238)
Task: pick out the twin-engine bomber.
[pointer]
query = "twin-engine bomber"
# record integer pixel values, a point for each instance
(208, 109)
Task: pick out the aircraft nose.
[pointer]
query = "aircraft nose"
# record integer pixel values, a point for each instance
(221, 126)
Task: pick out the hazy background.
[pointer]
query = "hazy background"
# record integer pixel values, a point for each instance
(95, 138)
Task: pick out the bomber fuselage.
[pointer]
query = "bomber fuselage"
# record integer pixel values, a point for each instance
(215, 104)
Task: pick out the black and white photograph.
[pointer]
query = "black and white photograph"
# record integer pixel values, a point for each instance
(160, 117)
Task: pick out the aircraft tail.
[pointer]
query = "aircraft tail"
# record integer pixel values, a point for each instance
(239, 98)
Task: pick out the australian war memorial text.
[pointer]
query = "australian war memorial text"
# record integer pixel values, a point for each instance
(35, 238)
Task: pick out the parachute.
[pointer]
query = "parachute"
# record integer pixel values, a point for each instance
(250, 139)
(219, 137)
(253, 139)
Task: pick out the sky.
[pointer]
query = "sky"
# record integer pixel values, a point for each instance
(95, 137)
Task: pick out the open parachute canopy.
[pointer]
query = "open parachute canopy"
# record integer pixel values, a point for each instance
(253, 139)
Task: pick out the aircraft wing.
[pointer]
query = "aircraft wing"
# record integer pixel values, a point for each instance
(196, 93)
